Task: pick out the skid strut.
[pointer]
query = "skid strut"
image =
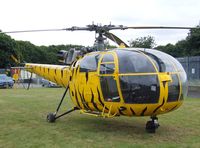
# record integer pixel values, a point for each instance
(51, 117)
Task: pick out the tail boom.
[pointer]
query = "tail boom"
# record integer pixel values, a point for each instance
(58, 74)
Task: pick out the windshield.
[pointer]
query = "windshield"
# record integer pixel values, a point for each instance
(3, 76)
(134, 62)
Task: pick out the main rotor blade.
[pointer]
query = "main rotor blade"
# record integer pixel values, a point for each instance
(114, 38)
(104, 28)
(40, 30)
(156, 27)
(74, 28)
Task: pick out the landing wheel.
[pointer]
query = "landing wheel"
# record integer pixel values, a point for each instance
(51, 117)
(152, 125)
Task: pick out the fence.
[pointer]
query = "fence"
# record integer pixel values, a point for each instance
(192, 68)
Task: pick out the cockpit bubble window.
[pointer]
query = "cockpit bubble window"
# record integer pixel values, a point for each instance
(163, 61)
(158, 62)
(174, 89)
(184, 82)
(89, 63)
(172, 65)
(134, 62)
(107, 58)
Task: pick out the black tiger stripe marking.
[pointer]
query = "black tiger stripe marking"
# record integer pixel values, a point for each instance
(99, 98)
(55, 79)
(77, 70)
(86, 76)
(173, 108)
(92, 100)
(61, 73)
(133, 112)
(143, 111)
(81, 99)
(122, 108)
(159, 106)
(77, 99)
(164, 84)
(43, 69)
(120, 111)
(83, 102)
(72, 71)
(74, 63)
(84, 107)
(72, 94)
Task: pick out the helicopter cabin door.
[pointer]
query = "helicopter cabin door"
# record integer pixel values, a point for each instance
(107, 73)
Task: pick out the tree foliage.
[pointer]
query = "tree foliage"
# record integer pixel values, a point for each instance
(7, 46)
(143, 42)
(187, 47)
(28, 52)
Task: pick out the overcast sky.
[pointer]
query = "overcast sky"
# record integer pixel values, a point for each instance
(50, 14)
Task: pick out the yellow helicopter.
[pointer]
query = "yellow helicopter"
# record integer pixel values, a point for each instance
(121, 81)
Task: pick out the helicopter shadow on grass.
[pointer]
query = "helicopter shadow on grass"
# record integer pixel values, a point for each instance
(119, 128)
(122, 125)
(122, 128)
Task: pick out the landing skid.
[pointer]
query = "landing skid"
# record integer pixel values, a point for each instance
(152, 125)
(52, 117)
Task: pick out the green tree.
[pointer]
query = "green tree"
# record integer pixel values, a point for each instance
(177, 50)
(187, 47)
(7, 46)
(143, 42)
(193, 40)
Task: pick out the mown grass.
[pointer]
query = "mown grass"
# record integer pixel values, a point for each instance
(23, 124)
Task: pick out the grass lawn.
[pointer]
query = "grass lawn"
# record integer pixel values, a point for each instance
(23, 124)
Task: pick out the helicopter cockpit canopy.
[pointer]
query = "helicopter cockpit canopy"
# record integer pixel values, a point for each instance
(136, 73)
(146, 63)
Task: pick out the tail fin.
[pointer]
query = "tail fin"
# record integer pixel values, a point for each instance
(55, 73)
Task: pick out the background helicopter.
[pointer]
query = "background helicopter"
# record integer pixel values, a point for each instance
(122, 81)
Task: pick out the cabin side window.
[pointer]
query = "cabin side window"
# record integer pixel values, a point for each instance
(108, 83)
(89, 63)
(107, 64)
(109, 89)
